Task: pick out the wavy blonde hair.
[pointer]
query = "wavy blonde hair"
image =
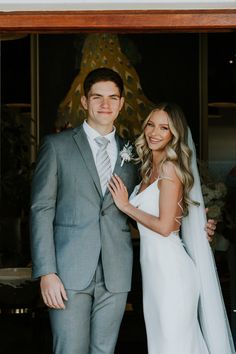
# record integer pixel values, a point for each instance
(177, 150)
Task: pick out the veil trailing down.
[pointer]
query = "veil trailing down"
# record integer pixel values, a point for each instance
(212, 314)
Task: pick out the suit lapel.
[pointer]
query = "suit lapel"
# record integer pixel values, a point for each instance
(86, 153)
(118, 168)
(108, 200)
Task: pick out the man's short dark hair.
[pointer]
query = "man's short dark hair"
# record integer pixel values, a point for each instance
(102, 74)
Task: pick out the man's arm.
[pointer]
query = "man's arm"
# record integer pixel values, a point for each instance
(210, 228)
(43, 205)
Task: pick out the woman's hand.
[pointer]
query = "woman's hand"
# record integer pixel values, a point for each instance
(119, 192)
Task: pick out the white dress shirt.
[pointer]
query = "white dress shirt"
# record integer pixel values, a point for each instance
(112, 150)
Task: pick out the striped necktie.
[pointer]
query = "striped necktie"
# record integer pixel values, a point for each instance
(103, 162)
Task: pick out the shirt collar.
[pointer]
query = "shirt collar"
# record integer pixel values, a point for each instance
(93, 134)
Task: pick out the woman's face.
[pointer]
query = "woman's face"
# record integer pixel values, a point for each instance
(157, 131)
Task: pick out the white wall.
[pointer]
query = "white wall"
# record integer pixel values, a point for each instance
(222, 142)
(25, 5)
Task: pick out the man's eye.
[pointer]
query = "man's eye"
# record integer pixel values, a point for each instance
(96, 97)
(115, 98)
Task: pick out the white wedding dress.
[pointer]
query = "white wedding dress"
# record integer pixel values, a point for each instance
(170, 286)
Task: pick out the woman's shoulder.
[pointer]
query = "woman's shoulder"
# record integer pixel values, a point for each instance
(169, 172)
(168, 168)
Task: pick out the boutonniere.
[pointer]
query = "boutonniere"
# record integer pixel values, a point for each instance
(126, 153)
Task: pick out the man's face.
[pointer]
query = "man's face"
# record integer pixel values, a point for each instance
(103, 105)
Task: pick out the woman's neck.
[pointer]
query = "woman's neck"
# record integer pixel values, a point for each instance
(157, 160)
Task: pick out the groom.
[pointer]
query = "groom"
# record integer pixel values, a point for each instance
(81, 244)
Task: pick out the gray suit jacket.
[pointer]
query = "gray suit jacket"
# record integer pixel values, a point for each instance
(71, 222)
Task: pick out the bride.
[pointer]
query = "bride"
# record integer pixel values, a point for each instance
(183, 306)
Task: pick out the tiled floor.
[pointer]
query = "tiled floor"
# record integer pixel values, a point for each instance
(23, 333)
(27, 335)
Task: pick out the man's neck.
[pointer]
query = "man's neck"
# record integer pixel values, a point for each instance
(101, 129)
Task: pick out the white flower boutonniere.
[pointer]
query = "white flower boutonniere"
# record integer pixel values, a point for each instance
(126, 153)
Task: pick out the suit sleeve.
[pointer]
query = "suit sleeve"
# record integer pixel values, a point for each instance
(43, 203)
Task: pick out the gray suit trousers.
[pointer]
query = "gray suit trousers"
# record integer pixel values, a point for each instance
(91, 321)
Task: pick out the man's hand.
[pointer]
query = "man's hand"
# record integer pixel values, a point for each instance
(210, 228)
(53, 291)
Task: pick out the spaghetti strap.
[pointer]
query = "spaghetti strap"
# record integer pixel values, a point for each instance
(164, 177)
(178, 218)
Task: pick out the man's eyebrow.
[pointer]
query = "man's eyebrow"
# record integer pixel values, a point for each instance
(100, 95)
(95, 94)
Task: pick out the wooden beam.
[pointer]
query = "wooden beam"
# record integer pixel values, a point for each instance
(119, 21)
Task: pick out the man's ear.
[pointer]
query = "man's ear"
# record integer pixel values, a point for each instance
(84, 102)
(122, 101)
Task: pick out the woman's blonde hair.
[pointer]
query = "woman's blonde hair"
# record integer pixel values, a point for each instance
(177, 150)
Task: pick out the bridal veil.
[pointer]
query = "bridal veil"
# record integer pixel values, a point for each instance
(212, 314)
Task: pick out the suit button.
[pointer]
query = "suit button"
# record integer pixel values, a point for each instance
(103, 213)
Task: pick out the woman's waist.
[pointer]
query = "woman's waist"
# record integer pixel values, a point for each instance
(146, 233)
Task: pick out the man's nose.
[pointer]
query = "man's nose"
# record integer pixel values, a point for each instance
(105, 102)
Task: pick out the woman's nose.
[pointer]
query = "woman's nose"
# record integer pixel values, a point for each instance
(155, 131)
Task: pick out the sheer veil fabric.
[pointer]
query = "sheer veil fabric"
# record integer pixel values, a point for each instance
(212, 313)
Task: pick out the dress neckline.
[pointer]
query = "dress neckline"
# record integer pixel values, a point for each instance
(139, 185)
